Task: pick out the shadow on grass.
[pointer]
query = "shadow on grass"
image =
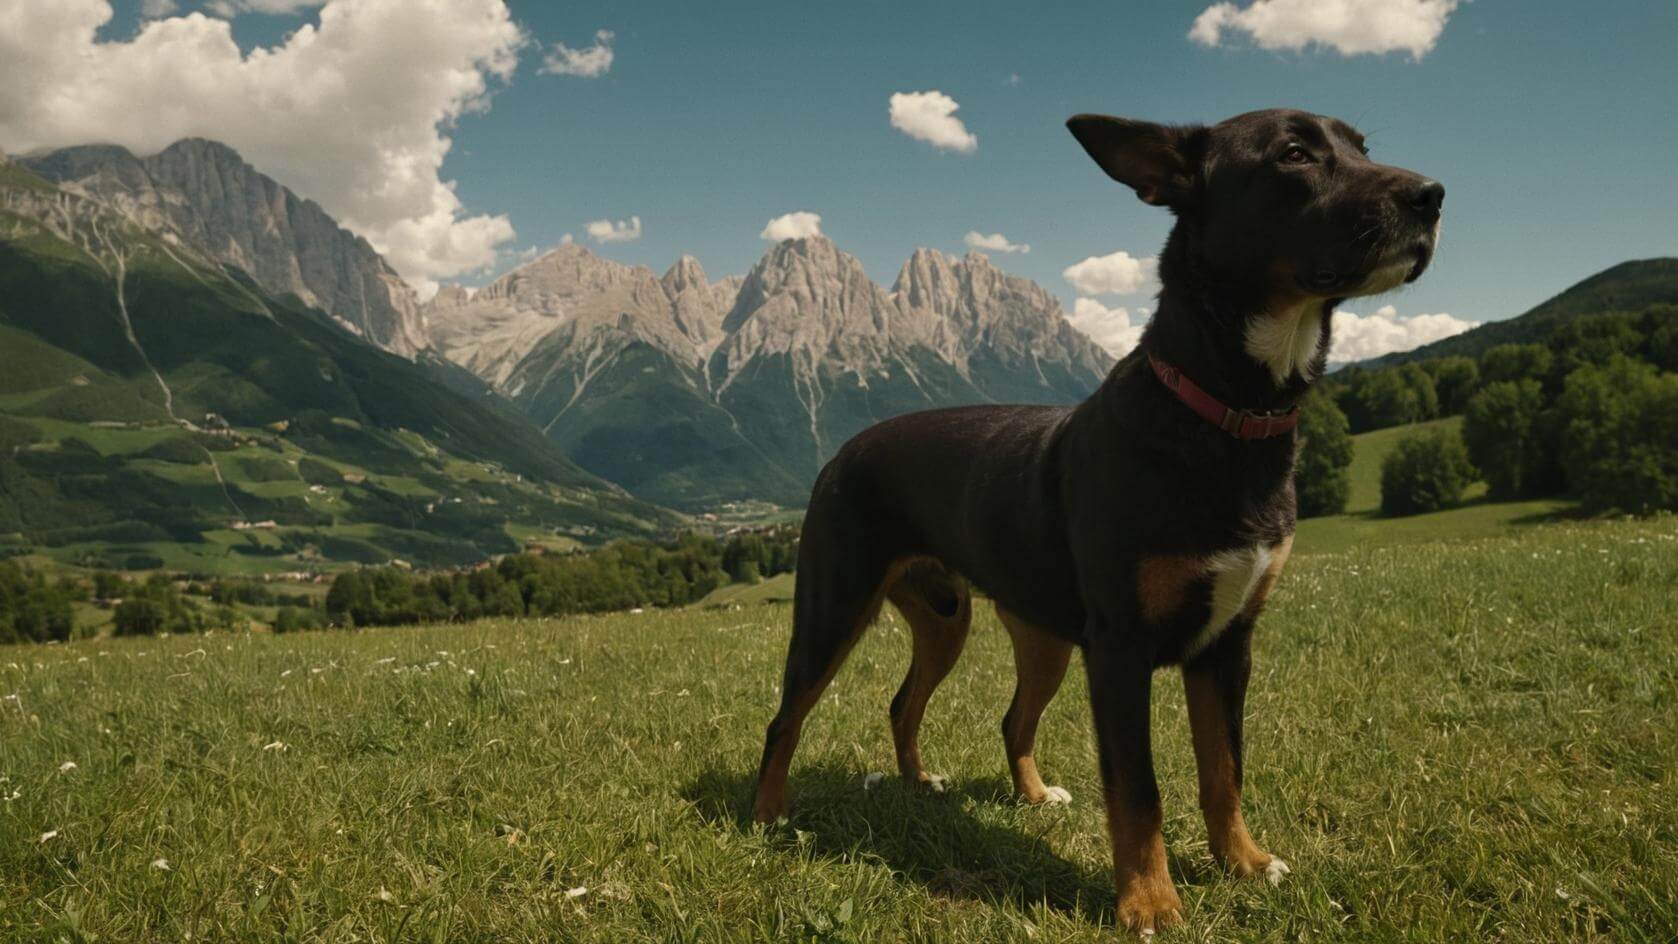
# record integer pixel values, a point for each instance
(936, 839)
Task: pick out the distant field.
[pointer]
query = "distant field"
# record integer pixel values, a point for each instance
(1475, 742)
(1363, 526)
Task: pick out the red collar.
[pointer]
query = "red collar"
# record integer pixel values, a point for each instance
(1242, 424)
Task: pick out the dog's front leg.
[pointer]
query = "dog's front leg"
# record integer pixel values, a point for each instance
(1216, 684)
(1120, 678)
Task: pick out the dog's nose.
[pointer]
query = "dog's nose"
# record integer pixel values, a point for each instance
(1425, 198)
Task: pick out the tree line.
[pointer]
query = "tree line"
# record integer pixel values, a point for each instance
(619, 576)
(1590, 413)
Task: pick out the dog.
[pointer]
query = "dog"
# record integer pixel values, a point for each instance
(1145, 526)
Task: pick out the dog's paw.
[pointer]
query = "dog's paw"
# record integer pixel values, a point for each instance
(1146, 912)
(1275, 870)
(937, 783)
(1055, 796)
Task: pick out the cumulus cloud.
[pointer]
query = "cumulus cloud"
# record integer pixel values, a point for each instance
(589, 62)
(236, 7)
(995, 242)
(622, 231)
(351, 112)
(930, 117)
(1350, 27)
(800, 224)
(1117, 274)
(1113, 329)
(1360, 337)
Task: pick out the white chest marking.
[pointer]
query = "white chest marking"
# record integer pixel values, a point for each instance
(1286, 341)
(1235, 575)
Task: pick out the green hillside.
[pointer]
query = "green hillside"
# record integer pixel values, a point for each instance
(1629, 286)
(156, 409)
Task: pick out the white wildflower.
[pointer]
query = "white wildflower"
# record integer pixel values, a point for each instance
(49, 835)
(162, 865)
(67, 766)
(274, 746)
(577, 892)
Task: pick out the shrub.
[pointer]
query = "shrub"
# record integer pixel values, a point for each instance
(155, 606)
(316, 472)
(1500, 430)
(1425, 472)
(1618, 430)
(1322, 474)
(33, 609)
(291, 619)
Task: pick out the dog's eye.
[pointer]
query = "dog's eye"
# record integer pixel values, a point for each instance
(1296, 154)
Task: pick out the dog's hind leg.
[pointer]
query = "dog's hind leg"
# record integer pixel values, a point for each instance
(838, 592)
(939, 610)
(1040, 661)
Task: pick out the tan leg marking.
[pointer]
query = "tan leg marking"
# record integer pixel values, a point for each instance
(1220, 795)
(771, 801)
(938, 641)
(1040, 661)
(1162, 582)
(1147, 901)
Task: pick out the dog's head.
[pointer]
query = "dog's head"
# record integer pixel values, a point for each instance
(1284, 199)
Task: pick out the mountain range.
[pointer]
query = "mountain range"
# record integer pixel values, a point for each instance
(690, 392)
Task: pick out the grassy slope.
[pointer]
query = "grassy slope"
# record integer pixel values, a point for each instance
(1362, 525)
(1449, 744)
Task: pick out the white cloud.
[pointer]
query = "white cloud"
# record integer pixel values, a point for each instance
(1360, 337)
(351, 112)
(800, 224)
(1351, 27)
(1116, 274)
(930, 117)
(154, 9)
(1110, 328)
(232, 8)
(589, 62)
(996, 242)
(622, 231)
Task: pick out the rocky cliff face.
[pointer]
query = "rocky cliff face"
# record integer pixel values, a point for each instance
(203, 193)
(692, 392)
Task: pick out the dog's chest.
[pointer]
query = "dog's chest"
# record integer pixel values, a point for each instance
(1200, 596)
(1235, 577)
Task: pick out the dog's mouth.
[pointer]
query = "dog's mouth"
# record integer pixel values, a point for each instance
(1395, 267)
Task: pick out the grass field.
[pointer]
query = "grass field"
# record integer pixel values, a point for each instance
(1448, 742)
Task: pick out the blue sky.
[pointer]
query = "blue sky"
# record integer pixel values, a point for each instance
(1550, 123)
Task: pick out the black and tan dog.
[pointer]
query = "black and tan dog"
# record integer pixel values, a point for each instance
(1144, 526)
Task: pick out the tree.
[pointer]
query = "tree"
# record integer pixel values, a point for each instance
(1515, 362)
(1500, 430)
(1593, 341)
(1380, 399)
(1659, 326)
(1456, 379)
(1618, 428)
(1322, 474)
(1426, 471)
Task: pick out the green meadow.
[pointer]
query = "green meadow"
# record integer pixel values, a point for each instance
(1448, 742)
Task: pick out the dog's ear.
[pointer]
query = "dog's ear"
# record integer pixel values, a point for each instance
(1159, 162)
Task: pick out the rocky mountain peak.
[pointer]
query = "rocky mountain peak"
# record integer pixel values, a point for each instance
(203, 192)
(686, 273)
